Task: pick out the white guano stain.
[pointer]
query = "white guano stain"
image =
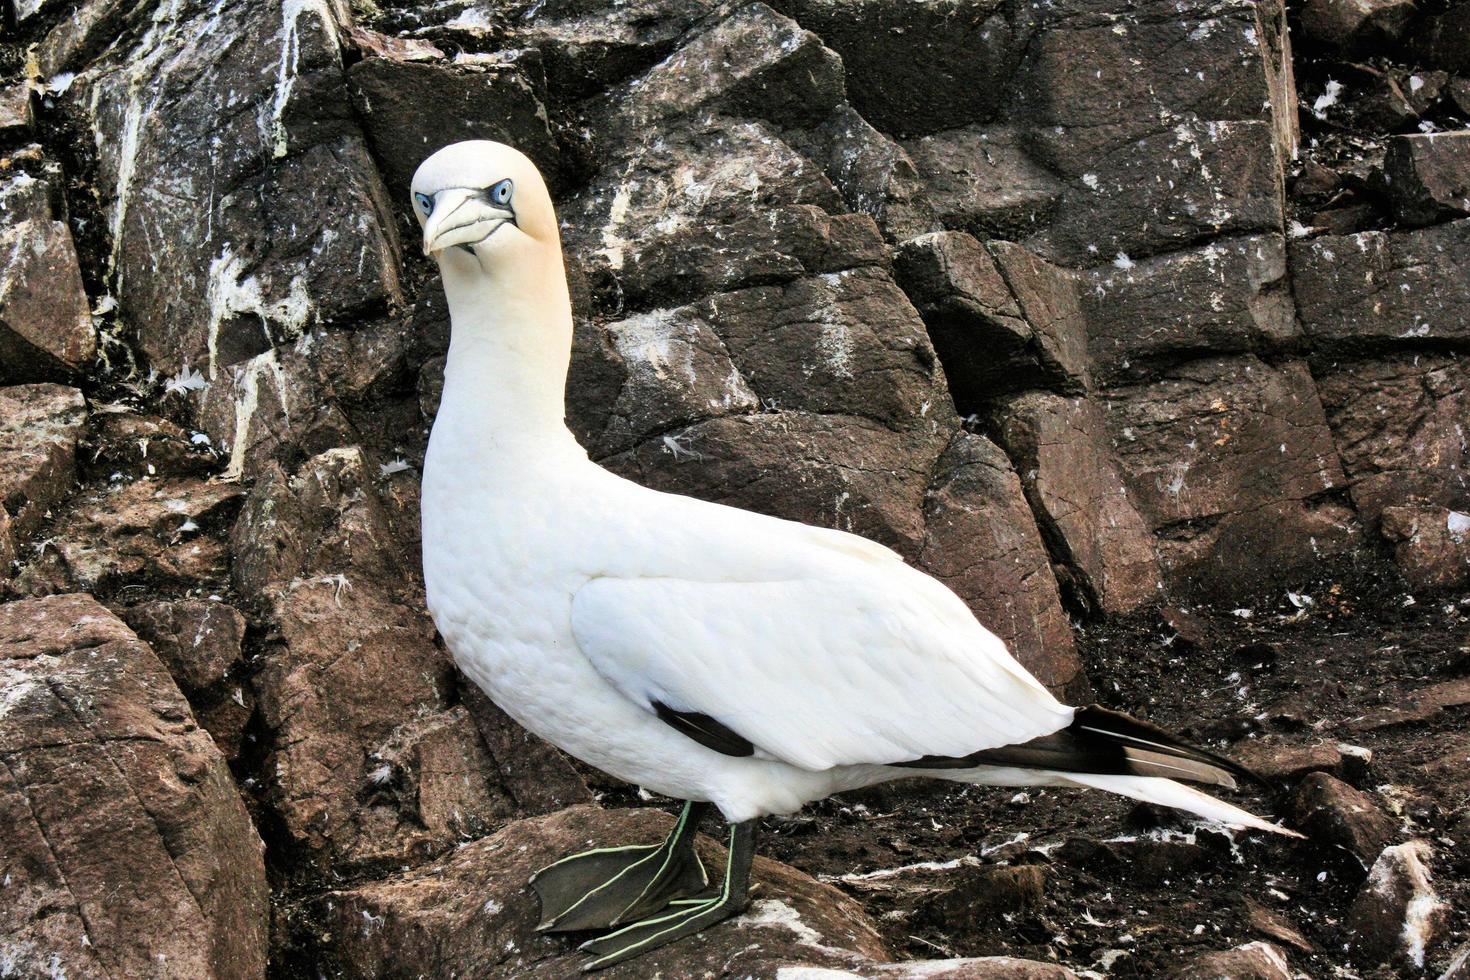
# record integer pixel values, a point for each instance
(14, 686)
(613, 243)
(773, 912)
(657, 342)
(290, 37)
(153, 47)
(247, 401)
(230, 292)
(834, 339)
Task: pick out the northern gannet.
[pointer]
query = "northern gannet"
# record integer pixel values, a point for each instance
(700, 651)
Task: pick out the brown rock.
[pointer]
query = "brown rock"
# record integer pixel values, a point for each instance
(982, 542)
(976, 325)
(1384, 286)
(1191, 630)
(1428, 176)
(1316, 181)
(24, 197)
(985, 891)
(1390, 99)
(846, 343)
(371, 44)
(585, 50)
(1459, 967)
(1274, 925)
(1357, 762)
(1459, 93)
(1443, 39)
(981, 180)
(1253, 961)
(325, 519)
(1229, 296)
(127, 846)
(1397, 424)
(1147, 859)
(1424, 704)
(197, 639)
(715, 204)
(1351, 24)
(1060, 448)
(39, 426)
(1348, 220)
(292, 225)
(1115, 102)
(939, 894)
(1091, 75)
(916, 68)
(672, 369)
(1222, 456)
(1430, 546)
(754, 62)
(1274, 759)
(17, 111)
(302, 399)
(1224, 178)
(134, 446)
(200, 642)
(1001, 318)
(161, 531)
(81, 36)
(368, 763)
(45, 320)
(970, 968)
(1397, 915)
(1047, 296)
(838, 471)
(875, 175)
(371, 760)
(471, 914)
(1333, 813)
(497, 99)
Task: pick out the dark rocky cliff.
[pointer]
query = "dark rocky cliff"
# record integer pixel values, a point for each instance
(1091, 309)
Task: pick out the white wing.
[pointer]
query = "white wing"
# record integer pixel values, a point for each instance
(879, 665)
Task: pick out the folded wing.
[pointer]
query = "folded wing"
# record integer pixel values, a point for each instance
(881, 666)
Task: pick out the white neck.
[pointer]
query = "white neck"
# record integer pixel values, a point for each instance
(505, 378)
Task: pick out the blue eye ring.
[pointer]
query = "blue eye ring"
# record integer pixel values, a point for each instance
(425, 203)
(500, 192)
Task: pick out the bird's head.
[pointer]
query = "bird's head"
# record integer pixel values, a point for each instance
(483, 200)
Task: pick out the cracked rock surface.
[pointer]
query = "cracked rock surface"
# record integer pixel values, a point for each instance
(1140, 324)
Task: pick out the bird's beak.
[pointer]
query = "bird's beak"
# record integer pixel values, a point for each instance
(462, 216)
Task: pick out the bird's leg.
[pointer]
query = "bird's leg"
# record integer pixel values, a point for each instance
(605, 887)
(685, 916)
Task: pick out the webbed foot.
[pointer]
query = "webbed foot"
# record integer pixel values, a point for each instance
(606, 887)
(683, 917)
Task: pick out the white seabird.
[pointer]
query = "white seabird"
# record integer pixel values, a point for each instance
(703, 652)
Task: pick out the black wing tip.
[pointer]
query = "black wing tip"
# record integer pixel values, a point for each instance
(1095, 720)
(707, 731)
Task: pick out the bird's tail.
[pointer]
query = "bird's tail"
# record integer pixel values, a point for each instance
(1108, 750)
(1140, 748)
(1166, 792)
